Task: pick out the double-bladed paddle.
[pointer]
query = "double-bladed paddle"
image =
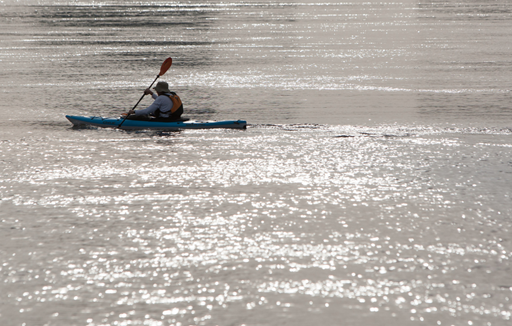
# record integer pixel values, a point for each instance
(163, 69)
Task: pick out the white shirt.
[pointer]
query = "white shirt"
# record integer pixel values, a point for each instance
(162, 102)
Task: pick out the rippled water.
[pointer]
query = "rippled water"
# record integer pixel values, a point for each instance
(372, 186)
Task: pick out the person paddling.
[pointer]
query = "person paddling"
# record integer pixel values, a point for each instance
(166, 107)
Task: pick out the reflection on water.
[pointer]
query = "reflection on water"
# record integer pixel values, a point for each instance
(270, 224)
(341, 201)
(364, 59)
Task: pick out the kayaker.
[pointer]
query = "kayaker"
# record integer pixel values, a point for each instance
(166, 107)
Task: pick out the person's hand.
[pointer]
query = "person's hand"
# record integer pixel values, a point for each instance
(147, 91)
(131, 112)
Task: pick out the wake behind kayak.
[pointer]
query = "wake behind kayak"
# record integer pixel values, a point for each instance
(80, 121)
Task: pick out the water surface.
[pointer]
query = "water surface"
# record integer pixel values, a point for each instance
(372, 185)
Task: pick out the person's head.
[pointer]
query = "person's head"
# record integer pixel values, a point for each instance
(162, 87)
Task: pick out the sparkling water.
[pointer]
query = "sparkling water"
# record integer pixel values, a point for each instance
(372, 186)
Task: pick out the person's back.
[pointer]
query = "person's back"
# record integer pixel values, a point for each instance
(172, 112)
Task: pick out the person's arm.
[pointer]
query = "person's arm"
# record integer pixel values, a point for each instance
(147, 91)
(150, 109)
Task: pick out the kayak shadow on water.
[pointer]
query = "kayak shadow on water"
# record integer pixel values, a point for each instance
(146, 132)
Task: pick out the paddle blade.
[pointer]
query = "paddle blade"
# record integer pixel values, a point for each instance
(165, 66)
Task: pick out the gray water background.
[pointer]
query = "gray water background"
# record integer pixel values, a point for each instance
(372, 187)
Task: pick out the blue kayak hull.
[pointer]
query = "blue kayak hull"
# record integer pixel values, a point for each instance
(80, 121)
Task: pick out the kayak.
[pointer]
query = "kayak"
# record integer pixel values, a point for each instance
(80, 121)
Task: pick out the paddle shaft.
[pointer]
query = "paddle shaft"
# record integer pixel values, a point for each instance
(138, 101)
